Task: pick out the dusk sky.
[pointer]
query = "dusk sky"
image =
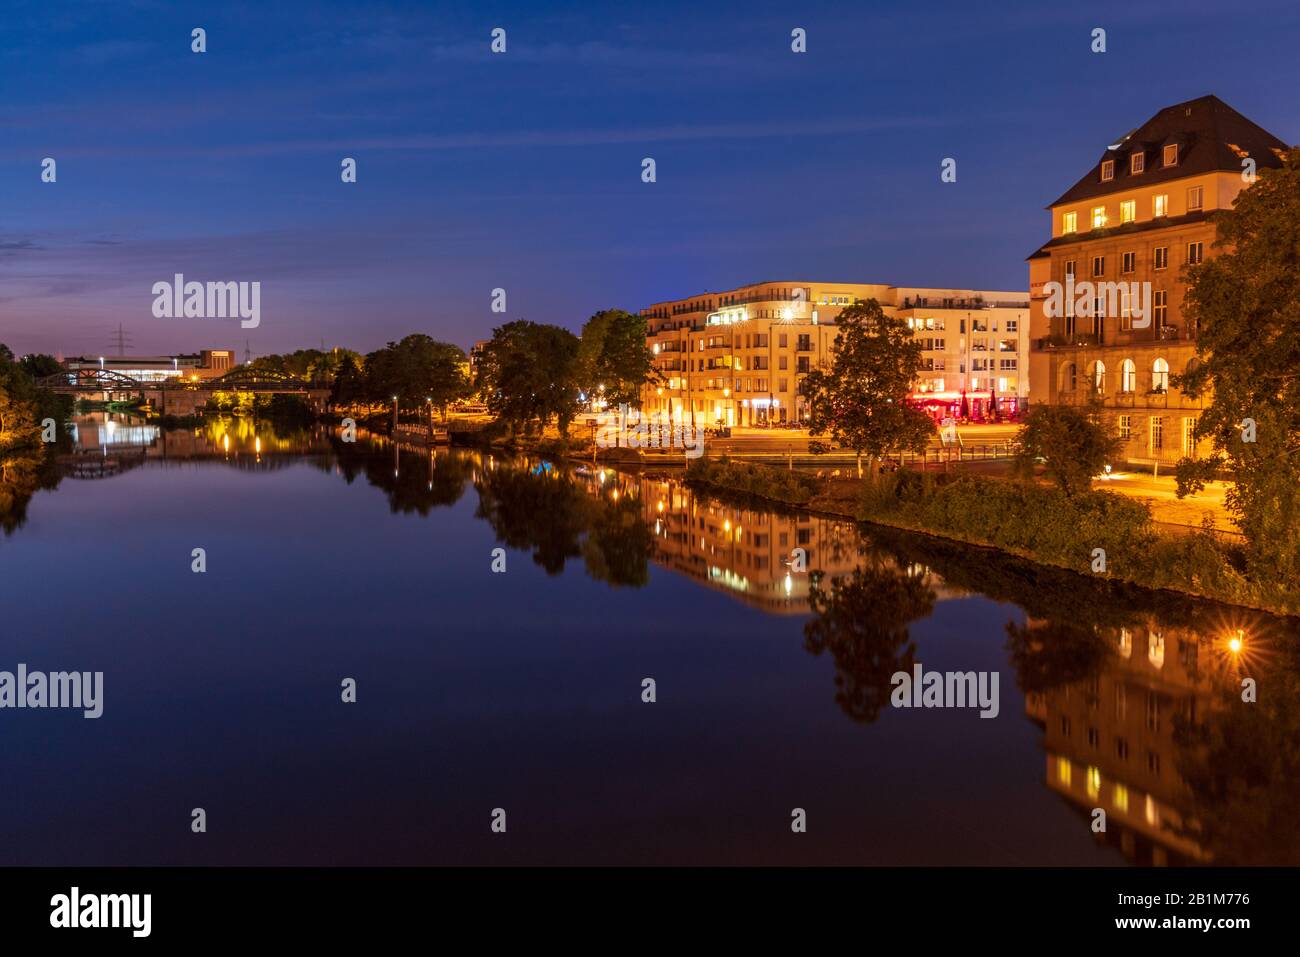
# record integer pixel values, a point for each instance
(522, 170)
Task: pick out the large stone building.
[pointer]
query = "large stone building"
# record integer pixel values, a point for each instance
(738, 357)
(1141, 214)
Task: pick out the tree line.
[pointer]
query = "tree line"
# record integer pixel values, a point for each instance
(23, 404)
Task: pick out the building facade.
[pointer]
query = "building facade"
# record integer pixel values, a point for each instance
(739, 356)
(193, 367)
(1141, 215)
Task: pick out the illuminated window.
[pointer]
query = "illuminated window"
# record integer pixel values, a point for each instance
(1153, 817)
(1160, 205)
(1099, 376)
(1160, 375)
(1099, 217)
(1128, 376)
(1063, 770)
(1094, 781)
(1128, 211)
(1125, 636)
(1070, 223)
(1121, 798)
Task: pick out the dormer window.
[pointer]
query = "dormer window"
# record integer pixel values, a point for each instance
(1107, 170)
(1137, 163)
(1171, 155)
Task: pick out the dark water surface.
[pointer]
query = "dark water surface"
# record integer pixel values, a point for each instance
(523, 690)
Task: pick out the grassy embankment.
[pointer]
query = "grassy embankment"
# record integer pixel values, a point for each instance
(1032, 521)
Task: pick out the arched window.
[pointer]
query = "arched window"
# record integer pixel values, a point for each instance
(1160, 376)
(1097, 376)
(1069, 377)
(1128, 376)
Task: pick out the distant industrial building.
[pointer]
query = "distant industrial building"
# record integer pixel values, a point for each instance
(192, 367)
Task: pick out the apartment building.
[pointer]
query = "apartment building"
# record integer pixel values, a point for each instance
(739, 356)
(1140, 215)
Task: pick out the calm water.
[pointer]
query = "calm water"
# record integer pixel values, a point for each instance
(522, 690)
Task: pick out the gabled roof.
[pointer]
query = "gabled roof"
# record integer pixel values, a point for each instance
(1211, 136)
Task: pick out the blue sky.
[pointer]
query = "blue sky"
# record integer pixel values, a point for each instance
(522, 170)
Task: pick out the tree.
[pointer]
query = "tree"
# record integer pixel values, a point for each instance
(416, 369)
(1243, 303)
(349, 382)
(615, 361)
(19, 407)
(861, 401)
(1073, 445)
(39, 365)
(530, 371)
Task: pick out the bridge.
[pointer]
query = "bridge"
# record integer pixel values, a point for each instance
(178, 396)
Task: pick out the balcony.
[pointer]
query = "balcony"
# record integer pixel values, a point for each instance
(1058, 341)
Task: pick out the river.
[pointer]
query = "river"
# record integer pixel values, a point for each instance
(520, 696)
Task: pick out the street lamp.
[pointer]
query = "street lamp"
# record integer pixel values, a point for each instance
(394, 416)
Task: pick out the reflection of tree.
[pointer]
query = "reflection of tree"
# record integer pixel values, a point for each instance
(546, 513)
(1240, 764)
(22, 474)
(1050, 654)
(413, 482)
(558, 518)
(862, 620)
(619, 543)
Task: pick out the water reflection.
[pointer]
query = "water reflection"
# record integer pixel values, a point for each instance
(1138, 695)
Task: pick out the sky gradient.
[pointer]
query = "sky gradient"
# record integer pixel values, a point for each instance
(522, 170)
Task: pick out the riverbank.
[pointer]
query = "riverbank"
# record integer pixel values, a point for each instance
(1098, 534)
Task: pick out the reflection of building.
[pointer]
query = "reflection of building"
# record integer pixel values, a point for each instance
(108, 432)
(197, 366)
(747, 553)
(1109, 739)
(1140, 215)
(739, 356)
